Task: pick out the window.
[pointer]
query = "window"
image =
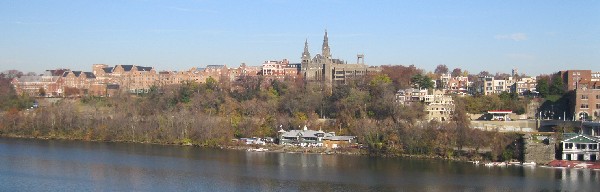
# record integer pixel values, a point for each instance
(597, 105)
(568, 145)
(597, 96)
(584, 96)
(584, 106)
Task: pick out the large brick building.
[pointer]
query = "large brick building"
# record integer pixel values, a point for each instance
(587, 101)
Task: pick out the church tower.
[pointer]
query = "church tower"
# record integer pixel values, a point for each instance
(326, 52)
(305, 56)
(327, 71)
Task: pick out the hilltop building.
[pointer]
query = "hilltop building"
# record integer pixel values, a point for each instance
(323, 68)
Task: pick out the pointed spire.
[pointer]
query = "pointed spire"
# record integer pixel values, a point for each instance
(326, 52)
(305, 54)
(306, 45)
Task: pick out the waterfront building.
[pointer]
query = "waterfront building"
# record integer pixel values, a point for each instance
(311, 138)
(580, 147)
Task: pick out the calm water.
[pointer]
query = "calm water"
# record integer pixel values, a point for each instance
(37, 165)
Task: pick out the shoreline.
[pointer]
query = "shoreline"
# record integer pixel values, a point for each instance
(272, 148)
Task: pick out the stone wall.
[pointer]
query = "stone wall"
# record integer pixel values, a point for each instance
(538, 152)
(506, 126)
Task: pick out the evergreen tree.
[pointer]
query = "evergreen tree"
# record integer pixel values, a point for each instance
(542, 86)
(556, 88)
(422, 81)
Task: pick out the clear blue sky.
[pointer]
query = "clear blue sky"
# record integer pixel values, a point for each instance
(534, 36)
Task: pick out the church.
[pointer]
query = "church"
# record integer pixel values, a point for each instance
(323, 68)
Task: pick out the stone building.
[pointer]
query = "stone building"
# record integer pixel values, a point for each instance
(323, 68)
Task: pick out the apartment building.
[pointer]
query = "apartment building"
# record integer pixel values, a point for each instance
(587, 102)
(525, 85)
(439, 107)
(574, 78)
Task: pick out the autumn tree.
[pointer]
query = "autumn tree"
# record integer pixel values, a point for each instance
(42, 92)
(441, 69)
(457, 72)
(400, 75)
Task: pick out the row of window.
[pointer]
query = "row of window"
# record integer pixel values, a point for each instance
(586, 106)
(581, 146)
(586, 97)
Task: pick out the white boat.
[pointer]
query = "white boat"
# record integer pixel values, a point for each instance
(529, 164)
(491, 164)
(258, 150)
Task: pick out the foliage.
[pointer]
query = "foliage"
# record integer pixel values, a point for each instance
(422, 81)
(400, 75)
(212, 113)
(483, 103)
(441, 69)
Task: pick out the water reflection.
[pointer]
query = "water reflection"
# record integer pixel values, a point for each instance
(85, 166)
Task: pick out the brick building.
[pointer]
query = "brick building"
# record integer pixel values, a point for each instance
(587, 101)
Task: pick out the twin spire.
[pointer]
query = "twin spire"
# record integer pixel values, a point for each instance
(325, 49)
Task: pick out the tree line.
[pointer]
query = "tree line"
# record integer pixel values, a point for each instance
(213, 113)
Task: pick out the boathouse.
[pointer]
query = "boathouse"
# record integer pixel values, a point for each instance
(580, 147)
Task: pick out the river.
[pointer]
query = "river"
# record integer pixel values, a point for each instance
(51, 165)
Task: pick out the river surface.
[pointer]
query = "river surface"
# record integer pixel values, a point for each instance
(41, 165)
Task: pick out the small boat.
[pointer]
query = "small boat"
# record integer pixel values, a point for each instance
(258, 150)
(491, 164)
(529, 164)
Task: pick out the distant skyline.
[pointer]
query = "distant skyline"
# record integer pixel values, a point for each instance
(536, 37)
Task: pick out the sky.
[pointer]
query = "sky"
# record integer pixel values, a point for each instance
(535, 37)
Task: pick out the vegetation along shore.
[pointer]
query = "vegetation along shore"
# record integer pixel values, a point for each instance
(212, 114)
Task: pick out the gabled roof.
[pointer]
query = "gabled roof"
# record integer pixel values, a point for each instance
(90, 75)
(141, 68)
(56, 72)
(127, 67)
(108, 69)
(76, 73)
(581, 139)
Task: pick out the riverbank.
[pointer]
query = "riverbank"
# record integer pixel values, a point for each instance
(575, 164)
(233, 146)
(272, 148)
